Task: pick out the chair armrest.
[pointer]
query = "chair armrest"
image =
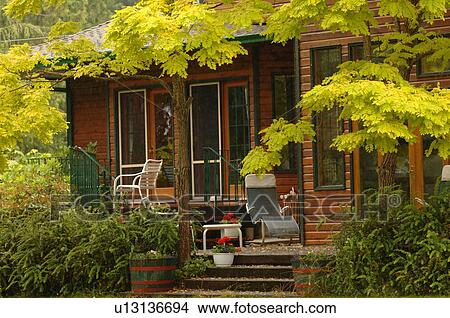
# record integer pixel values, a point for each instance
(135, 180)
(284, 209)
(248, 209)
(120, 176)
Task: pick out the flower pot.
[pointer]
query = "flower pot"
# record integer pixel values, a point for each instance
(152, 275)
(230, 233)
(223, 259)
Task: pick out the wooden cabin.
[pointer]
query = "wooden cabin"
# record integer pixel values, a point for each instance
(131, 121)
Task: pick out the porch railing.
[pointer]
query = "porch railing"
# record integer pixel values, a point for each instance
(87, 176)
(223, 183)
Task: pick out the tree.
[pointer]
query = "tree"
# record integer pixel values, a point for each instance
(377, 96)
(169, 35)
(25, 106)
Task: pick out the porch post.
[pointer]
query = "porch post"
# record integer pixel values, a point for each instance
(297, 97)
(256, 93)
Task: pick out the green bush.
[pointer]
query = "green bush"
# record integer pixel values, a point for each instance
(194, 267)
(29, 182)
(39, 257)
(407, 255)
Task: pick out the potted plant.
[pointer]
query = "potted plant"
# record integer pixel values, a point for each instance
(223, 252)
(152, 272)
(230, 218)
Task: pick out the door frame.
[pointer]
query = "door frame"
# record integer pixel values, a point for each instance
(219, 127)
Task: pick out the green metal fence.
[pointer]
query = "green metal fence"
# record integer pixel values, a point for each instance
(87, 176)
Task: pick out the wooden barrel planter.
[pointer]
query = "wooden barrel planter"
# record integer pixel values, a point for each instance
(307, 269)
(152, 275)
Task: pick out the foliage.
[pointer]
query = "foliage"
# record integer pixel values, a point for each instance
(39, 257)
(35, 28)
(262, 158)
(224, 245)
(30, 181)
(313, 260)
(194, 267)
(408, 255)
(387, 107)
(25, 109)
(377, 96)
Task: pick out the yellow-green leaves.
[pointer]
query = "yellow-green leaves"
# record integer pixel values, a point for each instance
(63, 28)
(171, 34)
(25, 99)
(387, 107)
(275, 137)
(20, 8)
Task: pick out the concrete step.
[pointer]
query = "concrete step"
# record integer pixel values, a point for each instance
(259, 259)
(241, 284)
(197, 293)
(258, 271)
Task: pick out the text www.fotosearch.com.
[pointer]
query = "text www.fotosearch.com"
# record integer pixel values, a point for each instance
(239, 308)
(248, 308)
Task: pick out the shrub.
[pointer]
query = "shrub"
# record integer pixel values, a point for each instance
(39, 257)
(407, 255)
(194, 267)
(29, 182)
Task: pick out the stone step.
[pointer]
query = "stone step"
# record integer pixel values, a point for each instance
(258, 271)
(241, 284)
(260, 259)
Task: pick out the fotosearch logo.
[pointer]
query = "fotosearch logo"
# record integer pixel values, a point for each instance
(313, 208)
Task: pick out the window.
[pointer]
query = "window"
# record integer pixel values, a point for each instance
(329, 167)
(324, 63)
(356, 52)
(238, 109)
(428, 67)
(283, 106)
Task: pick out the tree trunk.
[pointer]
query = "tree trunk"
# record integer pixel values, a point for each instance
(386, 170)
(181, 108)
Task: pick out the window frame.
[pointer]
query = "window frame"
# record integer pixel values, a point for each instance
(421, 74)
(291, 147)
(318, 187)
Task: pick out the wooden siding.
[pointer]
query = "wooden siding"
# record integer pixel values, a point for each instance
(89, 113)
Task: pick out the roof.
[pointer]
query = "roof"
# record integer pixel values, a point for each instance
(96, 35)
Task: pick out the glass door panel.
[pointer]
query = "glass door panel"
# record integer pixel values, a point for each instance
(432, 167)
(205, 136)
(133, 130)
(164, 140)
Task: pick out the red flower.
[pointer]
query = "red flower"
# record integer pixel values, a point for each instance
(224, 240)
(228, 216)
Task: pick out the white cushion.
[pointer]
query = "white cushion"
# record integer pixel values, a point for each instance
(446, 173)
(264, 181)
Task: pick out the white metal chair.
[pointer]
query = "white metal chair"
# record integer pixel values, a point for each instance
(143, 182)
